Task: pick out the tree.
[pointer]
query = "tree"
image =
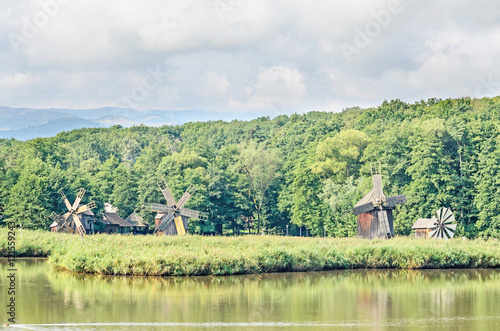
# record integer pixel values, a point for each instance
(341, 198)
(34, 196)
(431, 168)
(260, 167)
(339, 157)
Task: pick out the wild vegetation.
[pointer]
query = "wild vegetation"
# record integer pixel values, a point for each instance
(301, 171)
(221, 255)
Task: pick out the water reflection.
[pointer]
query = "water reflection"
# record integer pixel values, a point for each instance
(360, 299)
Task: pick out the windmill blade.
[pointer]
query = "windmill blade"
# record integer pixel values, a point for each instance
(190, 213)
(450, 219)
(60, 220)
(166, 221)
(158, 207)
(64, 223)
(412, 197)
(78, 224)
(378, 188)
(66, 201)
(433, 233)
(84, 208)
(63, 218)
(194, 214)
(450, 233)
(384, 228)
(185, 197)
(67, 229)
(78, 198)
(203, 216)
(364, 208)
(395, 200)
(452, 227)
(440, 213)
(446, 213)
(448, 216)
(166, 193)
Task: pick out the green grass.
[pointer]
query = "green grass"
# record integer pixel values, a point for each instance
(196, 255)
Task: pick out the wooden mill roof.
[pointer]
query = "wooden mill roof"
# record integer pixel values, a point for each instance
(136, 220)
(114, 219)
(424, 223)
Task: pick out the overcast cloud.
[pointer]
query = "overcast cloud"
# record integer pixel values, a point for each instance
(245, 55)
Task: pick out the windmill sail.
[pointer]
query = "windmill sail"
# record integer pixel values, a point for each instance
(443, 227)
(63, 222)
(175, 216)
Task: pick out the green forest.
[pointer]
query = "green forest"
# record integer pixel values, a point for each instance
(301, 171)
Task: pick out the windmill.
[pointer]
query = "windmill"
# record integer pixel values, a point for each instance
(62, 222)
(374, 211)
(444, 225)
(175, 217)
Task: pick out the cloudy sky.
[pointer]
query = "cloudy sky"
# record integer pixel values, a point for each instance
(245, 55)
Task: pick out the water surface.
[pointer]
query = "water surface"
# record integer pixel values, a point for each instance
(353, 299)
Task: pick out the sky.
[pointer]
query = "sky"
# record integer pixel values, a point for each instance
(245, 56)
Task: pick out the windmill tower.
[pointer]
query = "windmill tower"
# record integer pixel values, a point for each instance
(374, 211)
(63, 223)
(173, 217)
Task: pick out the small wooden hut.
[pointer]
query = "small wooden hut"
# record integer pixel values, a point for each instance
(423, 227)
(137, 222)
(113, 223)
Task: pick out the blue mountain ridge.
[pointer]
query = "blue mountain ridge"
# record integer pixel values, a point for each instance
(30, 123)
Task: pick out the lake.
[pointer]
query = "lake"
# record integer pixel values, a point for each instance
(352, 299)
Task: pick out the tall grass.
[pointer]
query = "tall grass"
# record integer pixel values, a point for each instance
(196, 255)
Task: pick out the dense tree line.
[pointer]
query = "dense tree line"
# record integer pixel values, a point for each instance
(301, 170)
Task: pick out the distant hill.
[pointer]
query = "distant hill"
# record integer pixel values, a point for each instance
(29, 123)
(49, 128)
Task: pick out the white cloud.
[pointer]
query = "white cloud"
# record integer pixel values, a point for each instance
(18, 80)
(277, 88)
(232, 55)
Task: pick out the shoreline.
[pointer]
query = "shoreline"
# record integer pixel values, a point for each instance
(202, 256)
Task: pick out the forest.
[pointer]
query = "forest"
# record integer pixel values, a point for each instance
(301, 172)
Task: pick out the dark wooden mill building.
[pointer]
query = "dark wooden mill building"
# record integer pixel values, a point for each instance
(374, 211)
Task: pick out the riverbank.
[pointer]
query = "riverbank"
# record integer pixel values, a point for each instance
(196, 255)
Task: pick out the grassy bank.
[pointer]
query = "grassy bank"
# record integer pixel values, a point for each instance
(195, 255)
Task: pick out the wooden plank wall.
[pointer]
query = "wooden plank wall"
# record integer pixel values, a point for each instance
(368, 224)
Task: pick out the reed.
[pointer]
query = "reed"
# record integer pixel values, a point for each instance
(197, 255)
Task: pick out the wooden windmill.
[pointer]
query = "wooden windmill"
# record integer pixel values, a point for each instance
(374, 211)
(173, 219)
(63, 222)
